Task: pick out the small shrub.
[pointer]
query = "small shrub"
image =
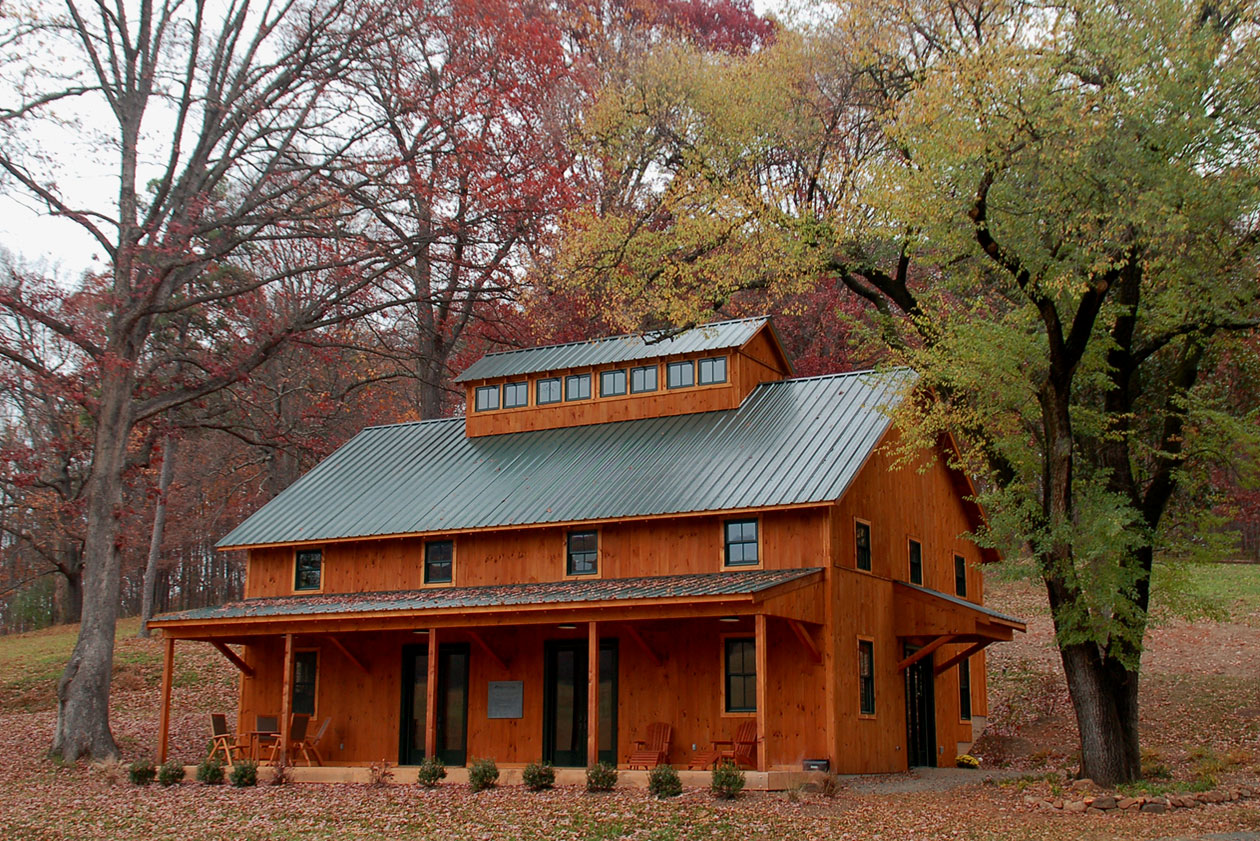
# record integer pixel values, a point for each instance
(282, 772)
(830, 786)
(483, 774)
(431, 772)
(601, 777)
(539, 776)
(379, 774)
(141, 772)
(210, 772)
(728, 781)
(171, 773)
(663, 781)
(966, 760)
(244, 773)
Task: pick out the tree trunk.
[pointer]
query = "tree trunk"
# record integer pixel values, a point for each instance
(68, 600)
(155, 541)
(1105, 697)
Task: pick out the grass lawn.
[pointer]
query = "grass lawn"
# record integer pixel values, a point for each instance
(1200, 708)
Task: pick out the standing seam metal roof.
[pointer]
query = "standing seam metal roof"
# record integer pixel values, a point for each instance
(719, 335)
(791, 442)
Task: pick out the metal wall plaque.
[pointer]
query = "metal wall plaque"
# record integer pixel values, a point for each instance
(506, 699)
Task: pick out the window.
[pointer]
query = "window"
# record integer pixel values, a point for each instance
(438, 556)
(487, 397)
(612, 383)
(713, 370)
(866, 677)
(515, 394)
(583, 553)
(960, 575)
(741, 675)
(548, 391)
(308, 567)
(577, 387)
(643, 379)
(681, 374)
(304, 666)
(964, 690)
(741, 543)
(862, 541)
(916, 562)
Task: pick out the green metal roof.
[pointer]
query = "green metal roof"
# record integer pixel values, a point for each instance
(720, 335)
(790, 442)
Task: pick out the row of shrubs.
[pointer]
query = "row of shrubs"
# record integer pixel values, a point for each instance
(483, 774)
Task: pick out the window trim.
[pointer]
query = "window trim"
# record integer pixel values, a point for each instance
(910, 544)
(960, 565)
(870, 546)
(314, 689)
(726, 546)
(625, 382)
(503, 395)
(691, 363)
(599, 567)
(874, 698)
(657, 387)
(538, 401)
(965, 719)
(726, 370)
(570, 377)
(294, 577)
(727, 712)
(498, 398)
(424, 575)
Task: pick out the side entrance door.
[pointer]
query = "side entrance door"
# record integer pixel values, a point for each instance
(920, 712)
(564, 702)
(452, 703)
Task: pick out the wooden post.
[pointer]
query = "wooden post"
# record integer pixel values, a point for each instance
(431, 699)
(760, 646)
(164, 719)
(592, 693)
(286, 698)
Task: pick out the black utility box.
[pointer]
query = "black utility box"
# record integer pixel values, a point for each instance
(817, 764)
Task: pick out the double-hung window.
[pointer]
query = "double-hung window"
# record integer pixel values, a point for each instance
(583, 553)
(741, 674)
(916, 562)
(308, 568)
(305, 664)
(439, 557)
(964, 690)
(862, 545)
(866, 677)
(741, 543)
(960, 575)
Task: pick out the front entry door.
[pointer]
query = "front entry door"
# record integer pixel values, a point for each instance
(920, 712)
(452, 703)
(564, 702)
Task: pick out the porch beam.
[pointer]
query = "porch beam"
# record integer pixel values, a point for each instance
(485, 647)
(592, 694)
(340, 646)
(431, 698)
(164, 718)
(806, 640)
(975, 648)
(759, 647)
(925, 651)
(633, 633)
(286, 698)
(233, 658)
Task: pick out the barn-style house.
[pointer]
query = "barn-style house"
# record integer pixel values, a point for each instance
(617, 533)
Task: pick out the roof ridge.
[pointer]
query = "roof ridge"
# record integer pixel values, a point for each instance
(838, 374)
(638, 335)
(451, 419)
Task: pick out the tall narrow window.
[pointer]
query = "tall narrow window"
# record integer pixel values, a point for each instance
(713, 370)
(866, 677)
(304, 666)
(643, 379)
(308, 569)
(862, 545)
(487, 397)
(960, 575)
(515, 395)
(741, 675)
(548, 391)
(438, 560)
(681, 374)
(577, 387)
(612, 383)
(583, 552)
(741, 543)
(964, 690)
(916, 562)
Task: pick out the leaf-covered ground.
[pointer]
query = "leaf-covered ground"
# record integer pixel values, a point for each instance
(1201, 708)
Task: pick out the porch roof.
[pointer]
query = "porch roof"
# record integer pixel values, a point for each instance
(696, 588)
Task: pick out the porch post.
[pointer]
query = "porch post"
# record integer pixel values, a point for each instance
(431, 699)
(286, 697)
(592, 693)
(164, 718)
(760, 648)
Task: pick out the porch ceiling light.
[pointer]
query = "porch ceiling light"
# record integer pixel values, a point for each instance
(420, 631)
(728, 619)
(567, 626)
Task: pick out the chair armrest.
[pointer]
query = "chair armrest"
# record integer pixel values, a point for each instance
(717, 742)
(639, 744)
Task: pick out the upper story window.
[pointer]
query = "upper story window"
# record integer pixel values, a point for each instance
(741, 675)
(960, 575)
(741, 543)
(862, 545)
(515, 395)
(643, 379)
(583, 553)
(308, 569)
(577, 387)
(548, 391)
(487, 397)
(439, 556)
(866, 677)
(681, 374)
(612, 383)
(916, 562)
(713, 370)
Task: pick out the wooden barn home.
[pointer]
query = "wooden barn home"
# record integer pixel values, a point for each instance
(617, 534)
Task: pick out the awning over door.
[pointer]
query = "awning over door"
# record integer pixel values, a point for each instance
(933, 619)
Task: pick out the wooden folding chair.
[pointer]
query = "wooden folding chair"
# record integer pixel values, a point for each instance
(310, 746)
(654, 750)
(297, 734)
(223, 740)
(741, 750)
